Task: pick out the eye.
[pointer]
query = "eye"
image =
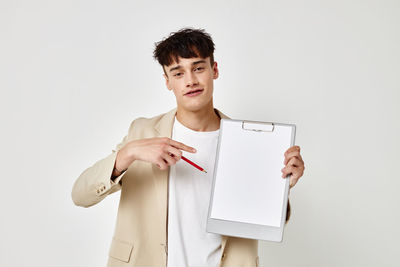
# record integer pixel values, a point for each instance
(199, 68)
(178, 74)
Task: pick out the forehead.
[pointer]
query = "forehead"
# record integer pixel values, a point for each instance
(182, 62)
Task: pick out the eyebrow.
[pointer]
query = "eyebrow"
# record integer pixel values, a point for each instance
(194, 63)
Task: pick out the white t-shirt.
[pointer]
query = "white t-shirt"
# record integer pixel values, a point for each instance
(189, 245)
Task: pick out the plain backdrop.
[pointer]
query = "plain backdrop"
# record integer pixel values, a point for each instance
(74, 74)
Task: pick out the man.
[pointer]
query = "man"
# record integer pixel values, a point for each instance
(163, 205)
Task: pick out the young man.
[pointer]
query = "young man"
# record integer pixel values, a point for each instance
(163, 205)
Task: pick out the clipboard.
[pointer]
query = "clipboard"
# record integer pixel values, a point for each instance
(249, 196)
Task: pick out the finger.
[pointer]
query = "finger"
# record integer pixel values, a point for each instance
(293, 171)
(292, 149)
(170, 160)
(294, 162)
(287, 171)
(182, 146)
(161, 164)
(292, 155)
(174, 152)
(294, 178)
(297, 173)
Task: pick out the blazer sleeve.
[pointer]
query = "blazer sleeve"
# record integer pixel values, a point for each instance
(95, 183)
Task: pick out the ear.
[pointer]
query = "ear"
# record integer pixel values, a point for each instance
(215, 70)
(167, 82)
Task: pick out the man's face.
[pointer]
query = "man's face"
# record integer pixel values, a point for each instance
(192, 75)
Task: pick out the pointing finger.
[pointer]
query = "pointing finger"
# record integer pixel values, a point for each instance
(182, 146)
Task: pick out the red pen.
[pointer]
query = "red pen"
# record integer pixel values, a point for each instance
(193, 164)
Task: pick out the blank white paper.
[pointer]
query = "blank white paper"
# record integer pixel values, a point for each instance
(248, 185)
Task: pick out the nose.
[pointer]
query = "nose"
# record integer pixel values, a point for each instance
(191, 80)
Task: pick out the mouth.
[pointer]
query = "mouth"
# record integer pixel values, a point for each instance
(194, 92)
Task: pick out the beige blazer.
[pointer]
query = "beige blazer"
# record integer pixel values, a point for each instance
(141, 232)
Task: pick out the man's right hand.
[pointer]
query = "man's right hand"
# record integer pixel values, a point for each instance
(161, 151)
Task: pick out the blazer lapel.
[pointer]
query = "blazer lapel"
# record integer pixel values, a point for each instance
(163, 128)
(165, 124)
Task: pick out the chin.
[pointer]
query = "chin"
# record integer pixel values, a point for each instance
(194, 108)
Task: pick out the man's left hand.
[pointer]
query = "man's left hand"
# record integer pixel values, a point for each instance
(294, 165)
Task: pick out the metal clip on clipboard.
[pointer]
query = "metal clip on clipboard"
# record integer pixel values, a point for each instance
(258, 126)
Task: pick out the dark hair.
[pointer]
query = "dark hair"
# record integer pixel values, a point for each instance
(185, 43)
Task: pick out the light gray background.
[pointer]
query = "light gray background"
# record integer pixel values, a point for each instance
(74, 74)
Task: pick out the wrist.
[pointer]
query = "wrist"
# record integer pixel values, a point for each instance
(118, 171)
(129, 154)
(124, 158)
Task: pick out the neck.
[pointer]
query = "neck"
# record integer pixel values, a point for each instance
(204, 120)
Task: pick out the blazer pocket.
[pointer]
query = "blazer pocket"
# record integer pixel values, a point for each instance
(120, 250)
